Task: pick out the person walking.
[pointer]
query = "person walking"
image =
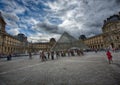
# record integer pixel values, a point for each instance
(48, 55)
(30, 55)
(9, 56)
(43, 57)
(109, 56)
(52, 55)
(57, 54)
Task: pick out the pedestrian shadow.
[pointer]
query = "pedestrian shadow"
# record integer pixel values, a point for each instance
(118, 65)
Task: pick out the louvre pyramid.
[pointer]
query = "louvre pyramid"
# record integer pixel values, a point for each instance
(67, 42)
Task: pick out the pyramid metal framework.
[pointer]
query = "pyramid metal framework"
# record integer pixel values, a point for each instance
(67, 42)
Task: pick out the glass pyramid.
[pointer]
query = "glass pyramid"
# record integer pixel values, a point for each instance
(67, 42)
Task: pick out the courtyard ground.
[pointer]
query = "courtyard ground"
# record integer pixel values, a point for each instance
(90, 69)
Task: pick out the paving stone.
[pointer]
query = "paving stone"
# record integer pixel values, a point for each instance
(90, 69)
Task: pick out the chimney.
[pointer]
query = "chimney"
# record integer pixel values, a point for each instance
(1, 14)
(104, 21)
(119, 14)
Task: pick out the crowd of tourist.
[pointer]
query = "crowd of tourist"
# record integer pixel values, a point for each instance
(46, 55)
(56, 54)
(8, 56)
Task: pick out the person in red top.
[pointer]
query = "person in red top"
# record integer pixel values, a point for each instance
(109, 56)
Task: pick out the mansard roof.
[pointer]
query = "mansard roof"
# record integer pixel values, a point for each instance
(1, 17)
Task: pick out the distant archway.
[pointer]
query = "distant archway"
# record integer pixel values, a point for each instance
(112, 45)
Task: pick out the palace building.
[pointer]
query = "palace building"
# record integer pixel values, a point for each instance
(43, 46)
(18, 44)
(110, 38)
(9, 43)
(95, 42)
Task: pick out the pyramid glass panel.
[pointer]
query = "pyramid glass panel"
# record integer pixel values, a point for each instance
(67, 42)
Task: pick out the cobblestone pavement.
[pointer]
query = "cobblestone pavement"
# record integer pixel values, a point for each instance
(90, 69)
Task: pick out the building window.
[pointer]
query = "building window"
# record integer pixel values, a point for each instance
(117, 37)
(102, 45)
(5, 49)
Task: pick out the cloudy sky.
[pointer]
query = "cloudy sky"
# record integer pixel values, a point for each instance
(40, 20)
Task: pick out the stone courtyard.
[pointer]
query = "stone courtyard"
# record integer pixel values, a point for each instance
(90, 69)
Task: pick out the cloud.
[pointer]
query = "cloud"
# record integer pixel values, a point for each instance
(14, 31)
(28, 20)
(118, 2)
(83, 16)
(50, 18)
(10, 16)
(32, 21)
(40, 37)
(19, 10)
(13, 6)
(23, 26)
(47, 27)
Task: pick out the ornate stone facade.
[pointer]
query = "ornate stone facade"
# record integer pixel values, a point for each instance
(2, 32)
(95, 42)
(9, 43)
(44, 46)
(110, 38)
(18, 44)
(111, 34)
